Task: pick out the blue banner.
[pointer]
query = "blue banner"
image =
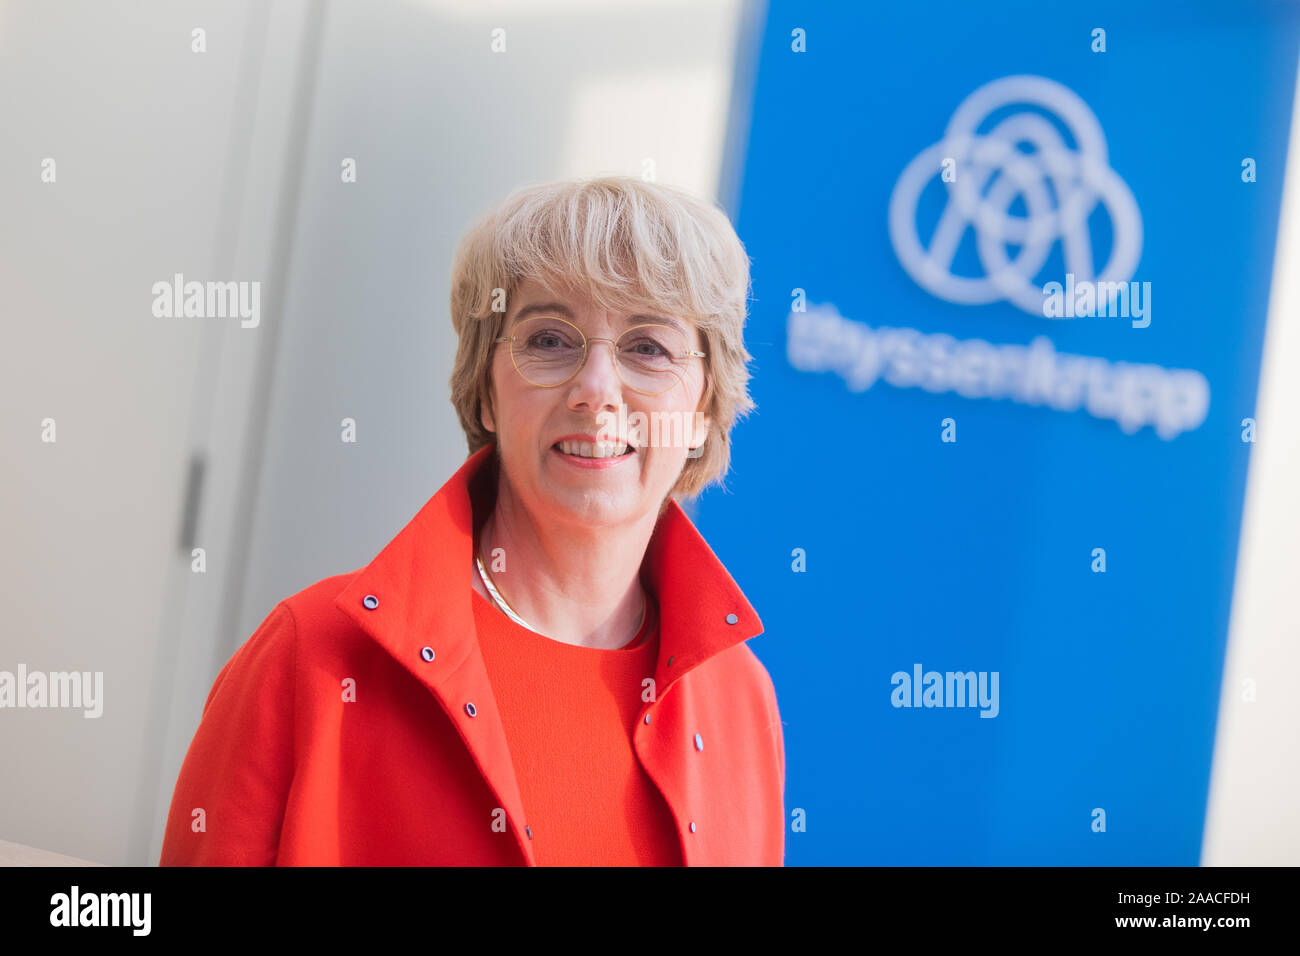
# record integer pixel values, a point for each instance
(1011, 273)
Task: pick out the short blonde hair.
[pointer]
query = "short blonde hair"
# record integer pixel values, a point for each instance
(623, 243)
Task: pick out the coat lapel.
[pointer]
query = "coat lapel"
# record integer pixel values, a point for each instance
(702, 609)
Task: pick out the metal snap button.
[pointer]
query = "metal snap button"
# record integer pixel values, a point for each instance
(699, 742)
(427, 653)
(670, 661)
(470, 709)
(370, 601)
(529, 831)
(692, 826)
(732, 619)
(647, 718)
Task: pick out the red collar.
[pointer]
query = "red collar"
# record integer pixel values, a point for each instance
(421, 582)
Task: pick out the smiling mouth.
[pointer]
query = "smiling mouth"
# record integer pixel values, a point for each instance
(594, 450)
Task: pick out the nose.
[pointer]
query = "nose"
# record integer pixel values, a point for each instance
(597, 384)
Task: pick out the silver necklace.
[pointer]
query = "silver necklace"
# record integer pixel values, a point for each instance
(498, 599)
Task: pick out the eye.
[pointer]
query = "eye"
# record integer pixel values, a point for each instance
(548, 340)
(647, 347)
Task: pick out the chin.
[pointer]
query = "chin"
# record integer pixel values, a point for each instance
(597, 508)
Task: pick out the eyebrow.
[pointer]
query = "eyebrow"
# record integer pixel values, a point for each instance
(560, 309)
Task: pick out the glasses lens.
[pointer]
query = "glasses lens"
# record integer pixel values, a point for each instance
(651, 357)
(546, 349)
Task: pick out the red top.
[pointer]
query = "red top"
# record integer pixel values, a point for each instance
(569, 713)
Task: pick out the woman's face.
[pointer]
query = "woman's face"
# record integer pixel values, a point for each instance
(530, 419)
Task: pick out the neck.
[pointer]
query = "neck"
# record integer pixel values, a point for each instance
(576, 584)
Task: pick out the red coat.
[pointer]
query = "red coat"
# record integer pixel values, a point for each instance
(285, 769)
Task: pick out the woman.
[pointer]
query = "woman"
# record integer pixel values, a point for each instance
(547, 665)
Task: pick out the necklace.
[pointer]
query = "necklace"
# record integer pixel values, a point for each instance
(497, 598)
(510, 612)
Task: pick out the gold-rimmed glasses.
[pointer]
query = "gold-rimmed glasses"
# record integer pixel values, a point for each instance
(548, 351)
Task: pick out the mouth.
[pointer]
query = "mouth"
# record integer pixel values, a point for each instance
(598, 455)
(603, 451)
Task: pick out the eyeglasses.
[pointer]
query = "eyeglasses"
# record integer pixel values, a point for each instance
(548, 351)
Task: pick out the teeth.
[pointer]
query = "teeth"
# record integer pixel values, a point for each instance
(600, 449)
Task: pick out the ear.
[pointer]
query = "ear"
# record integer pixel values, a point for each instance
(701, 425)
(485, 411)
(701, 421)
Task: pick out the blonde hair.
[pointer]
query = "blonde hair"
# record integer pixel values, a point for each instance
(622, 243)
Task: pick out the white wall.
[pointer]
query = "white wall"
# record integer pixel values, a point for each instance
(145, 136)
